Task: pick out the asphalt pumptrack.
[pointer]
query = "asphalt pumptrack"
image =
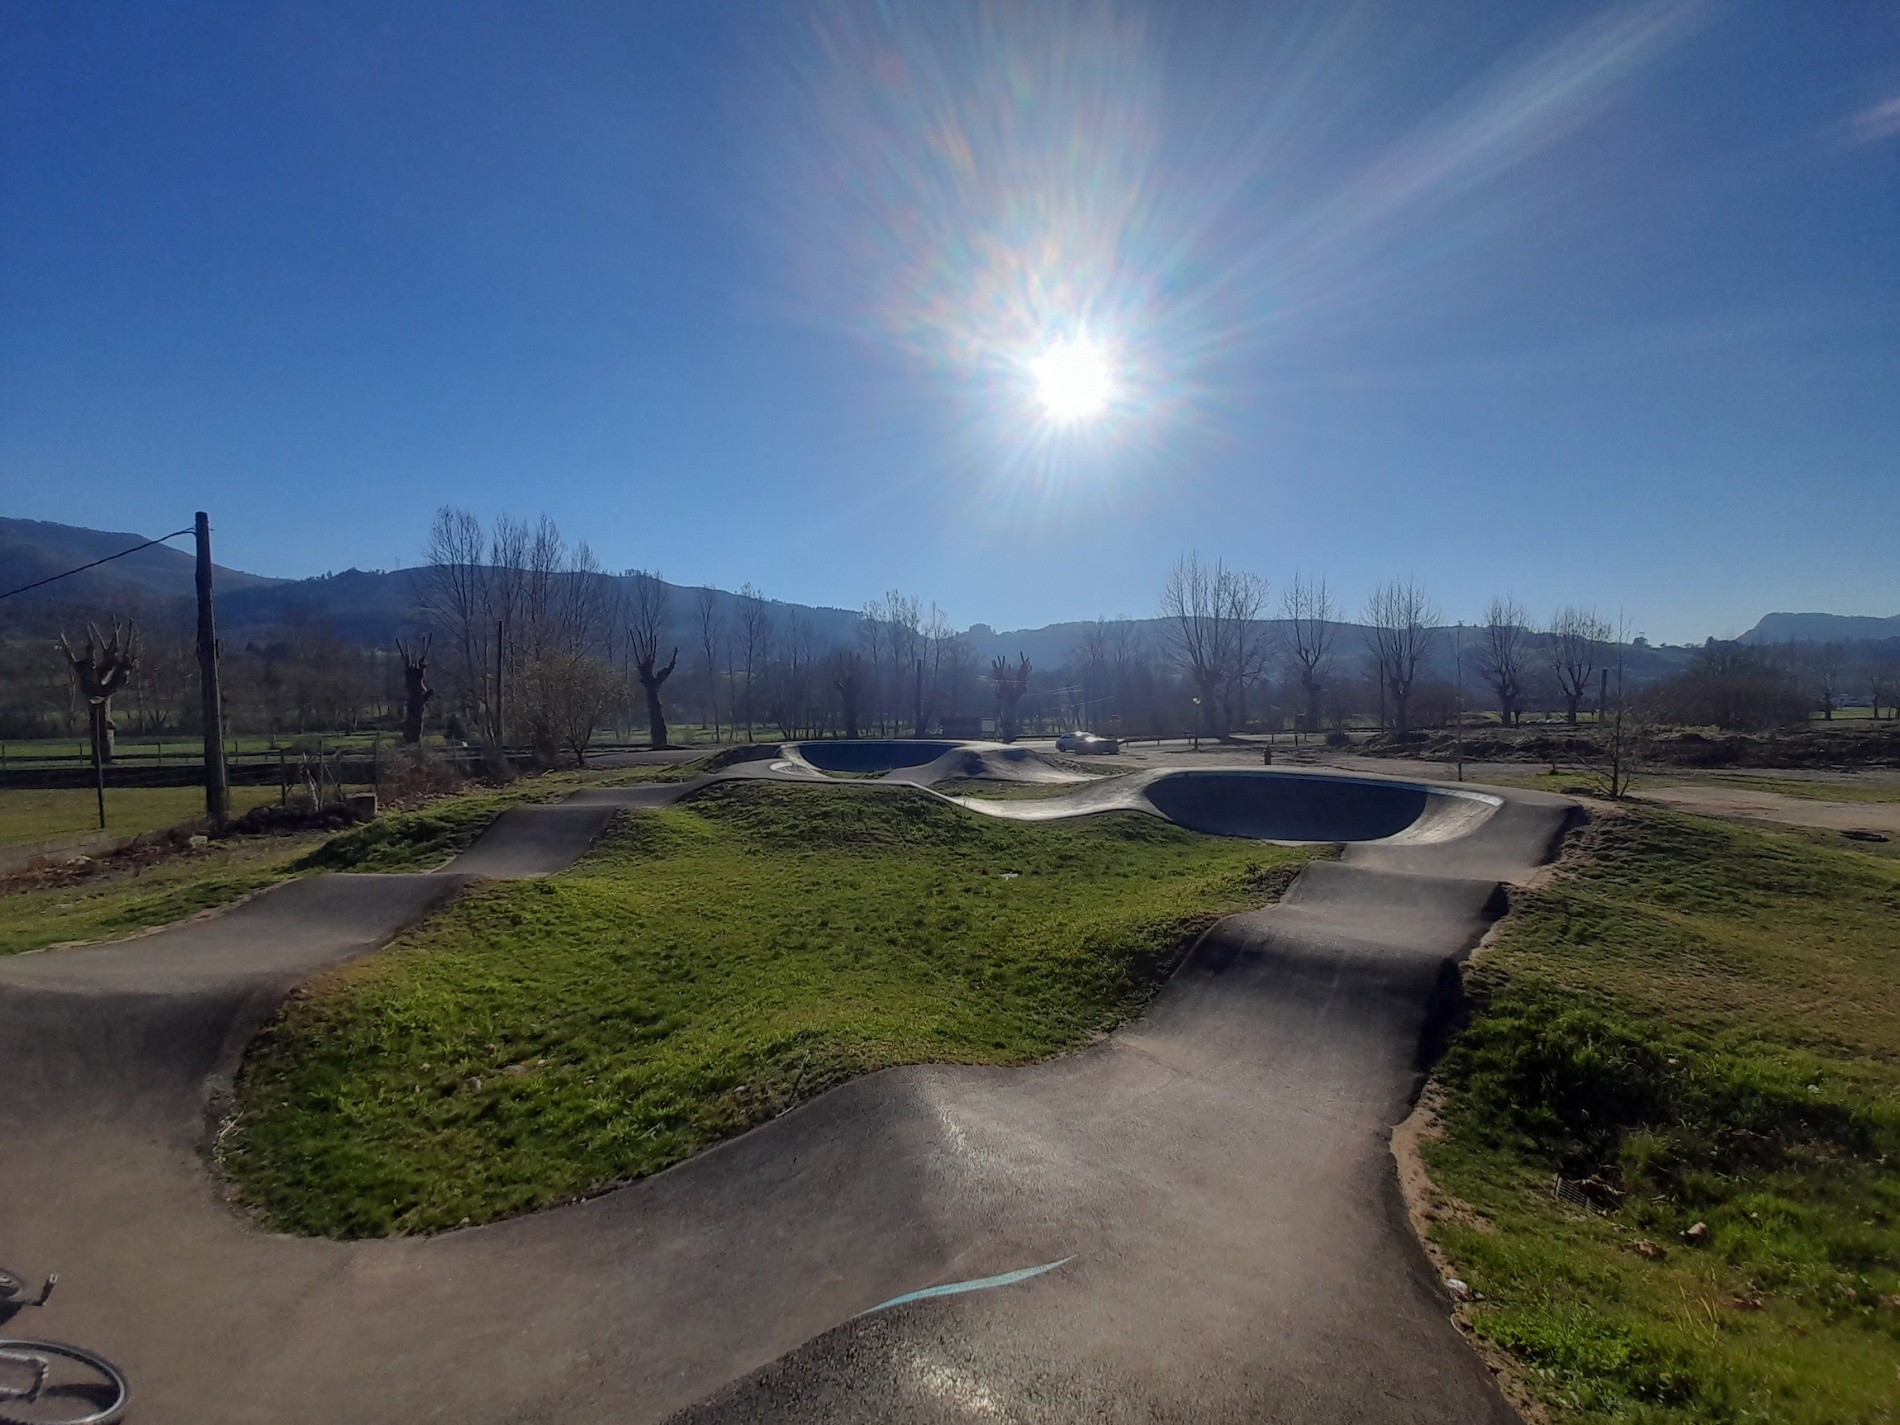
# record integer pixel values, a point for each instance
(1196, 1219)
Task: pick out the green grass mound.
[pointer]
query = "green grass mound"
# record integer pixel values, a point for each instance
(705, 968)
(425, 838)
(413, 840)
(1704, 1019)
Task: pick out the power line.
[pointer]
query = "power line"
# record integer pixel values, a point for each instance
(95, 563)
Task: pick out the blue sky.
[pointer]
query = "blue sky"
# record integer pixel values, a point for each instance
(1595, 304)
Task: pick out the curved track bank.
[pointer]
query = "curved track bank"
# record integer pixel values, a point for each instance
(1196, 1219)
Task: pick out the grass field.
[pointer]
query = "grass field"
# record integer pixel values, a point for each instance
(705, 968)
(1704, 1017)
(28, 815)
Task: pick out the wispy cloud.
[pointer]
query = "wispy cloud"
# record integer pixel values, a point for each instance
(1871, 125)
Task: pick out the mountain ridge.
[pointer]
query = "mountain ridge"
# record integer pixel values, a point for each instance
(372, 606)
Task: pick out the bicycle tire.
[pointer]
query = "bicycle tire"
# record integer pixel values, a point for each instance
(111, 1374)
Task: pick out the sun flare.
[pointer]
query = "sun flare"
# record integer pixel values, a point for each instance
(1072, 380)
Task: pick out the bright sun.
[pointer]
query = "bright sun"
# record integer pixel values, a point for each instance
(1072, 379)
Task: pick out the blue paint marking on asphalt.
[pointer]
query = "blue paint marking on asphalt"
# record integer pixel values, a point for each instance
(978, 1284)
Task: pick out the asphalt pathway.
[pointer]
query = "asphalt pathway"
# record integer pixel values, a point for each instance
(1196, 1219)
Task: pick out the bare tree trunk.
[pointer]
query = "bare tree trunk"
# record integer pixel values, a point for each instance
(656, 718)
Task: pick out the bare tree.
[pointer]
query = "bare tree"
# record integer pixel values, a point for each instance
(873, 633)
(1196, 611)
(453, 596)
(1097, 680)
(1309, 628)
(1401, 626)
(790, 702)
(755, 638)
(416, 689)
(1880, 670)
(1824, 668)
(939, 641)
(847, 677)
(1243, 597)
(1501, 655)
(99, 671)
(646, 631)
(575, 692)
(507, 590)
(1620, 724)
(1011, 685)
(1578, 638)
(903, 615)
(711, 630)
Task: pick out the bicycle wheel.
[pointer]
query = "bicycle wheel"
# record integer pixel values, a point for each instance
(51, 1383)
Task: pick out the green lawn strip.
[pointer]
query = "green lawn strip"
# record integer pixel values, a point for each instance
(29, 814)
(1705, 1016)
(122, 900)
(707, 967)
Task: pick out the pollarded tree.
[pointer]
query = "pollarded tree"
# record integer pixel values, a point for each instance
(1309, 626)
(99, 670)
(1011, 684)
(1401, 626)
(646, 631)
(1578, 642)
(846, 669)
(415, 685)
(1880, 670)
(1502, 654)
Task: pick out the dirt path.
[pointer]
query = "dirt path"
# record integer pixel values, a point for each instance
(1747, 804)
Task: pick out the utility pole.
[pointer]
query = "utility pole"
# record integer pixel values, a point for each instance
(1458, 658)
(501, 723)
(217, 786)
(98, 763)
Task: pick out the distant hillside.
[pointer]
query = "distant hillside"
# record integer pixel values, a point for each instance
(371, 607)
(364, 606)
(33, 549)
(1821, 628)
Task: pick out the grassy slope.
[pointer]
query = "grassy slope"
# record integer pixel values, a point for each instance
(1709, 1016)
(422, 839)
(123, 900)
(707, 967)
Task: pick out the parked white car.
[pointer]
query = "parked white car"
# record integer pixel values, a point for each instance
(1086, 742)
